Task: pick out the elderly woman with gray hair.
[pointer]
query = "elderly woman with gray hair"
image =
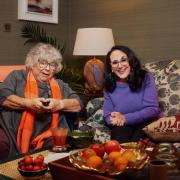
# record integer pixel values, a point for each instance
(33, 102)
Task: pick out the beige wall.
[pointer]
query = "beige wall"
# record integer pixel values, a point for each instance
(150, 27)
(12, 49)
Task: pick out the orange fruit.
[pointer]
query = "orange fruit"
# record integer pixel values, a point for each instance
(129, 155)
(121, 163)
(121, 167)
(94, 161)
(114, 155)
(87, 153)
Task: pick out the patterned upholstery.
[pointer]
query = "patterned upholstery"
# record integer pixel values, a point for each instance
(95, 120)
(94, 110)
(167, 78)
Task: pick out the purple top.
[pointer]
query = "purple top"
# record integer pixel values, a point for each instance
(138, 107)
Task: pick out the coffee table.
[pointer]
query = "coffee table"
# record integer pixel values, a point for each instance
(63, 169)
(8, 168)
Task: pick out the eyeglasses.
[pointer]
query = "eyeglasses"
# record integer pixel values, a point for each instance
(44, 64)
(123, 62)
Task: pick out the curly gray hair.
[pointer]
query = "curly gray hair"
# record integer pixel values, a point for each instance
(46, 52)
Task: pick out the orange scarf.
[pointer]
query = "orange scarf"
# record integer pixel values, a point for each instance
(27, 121)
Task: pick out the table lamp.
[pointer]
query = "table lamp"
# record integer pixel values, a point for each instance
(93, 42)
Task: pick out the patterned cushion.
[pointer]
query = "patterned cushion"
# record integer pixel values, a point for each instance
(164, 129)
(94, 114)
(167, 78)
(94, 110)
(102, 132)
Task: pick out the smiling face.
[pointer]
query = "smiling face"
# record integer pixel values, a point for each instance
(44, 60)
(43, 71)
(120, 65)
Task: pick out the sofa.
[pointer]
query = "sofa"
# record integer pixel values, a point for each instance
(167, 78)
(5, 70)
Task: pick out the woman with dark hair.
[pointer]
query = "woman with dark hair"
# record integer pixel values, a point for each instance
(130, 95)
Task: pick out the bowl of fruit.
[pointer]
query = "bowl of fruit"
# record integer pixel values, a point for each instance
(32, 166)
(110, 158)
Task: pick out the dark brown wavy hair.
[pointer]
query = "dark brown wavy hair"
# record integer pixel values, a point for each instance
(136, 76)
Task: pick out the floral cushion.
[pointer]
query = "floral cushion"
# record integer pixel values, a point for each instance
(94, 114)
(164, 129)
(94, 110)
(167, 78)
(102, 132)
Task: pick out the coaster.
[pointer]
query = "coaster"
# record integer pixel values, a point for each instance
(61, 148)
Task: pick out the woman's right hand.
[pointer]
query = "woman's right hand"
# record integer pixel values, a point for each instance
(117, 119)
(20, 103)
(36, 105)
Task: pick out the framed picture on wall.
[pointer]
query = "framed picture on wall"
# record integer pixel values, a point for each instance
(38, 10)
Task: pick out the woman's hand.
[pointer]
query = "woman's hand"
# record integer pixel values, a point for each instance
(54, 105)
(117, 119)
(20, 103)
(67, 105)
(36, 104)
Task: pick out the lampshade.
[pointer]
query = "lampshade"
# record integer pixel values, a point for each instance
(93, 41)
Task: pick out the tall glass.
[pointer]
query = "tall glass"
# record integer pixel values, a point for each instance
(59, 138)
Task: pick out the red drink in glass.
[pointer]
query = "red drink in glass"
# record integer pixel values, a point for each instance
(59, 136)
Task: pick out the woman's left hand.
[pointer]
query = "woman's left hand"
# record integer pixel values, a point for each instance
(54, 105)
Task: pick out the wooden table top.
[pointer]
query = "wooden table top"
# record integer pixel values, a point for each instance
(9, 168)
(63, 169)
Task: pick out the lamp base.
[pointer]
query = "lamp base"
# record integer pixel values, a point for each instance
(93, 74)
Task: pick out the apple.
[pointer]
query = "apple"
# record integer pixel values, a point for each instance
(28, 160)
(22, 167)
(29, 167)
(38, 161)
(99, 149)
(36, 168)
(112, 145)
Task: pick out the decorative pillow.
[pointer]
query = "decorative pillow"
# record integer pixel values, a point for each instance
(164, 129)
(94, 114)
(162, 69)
(93, 106)
(169, 98)
(101, 132)
(102, 136)
(167, 78)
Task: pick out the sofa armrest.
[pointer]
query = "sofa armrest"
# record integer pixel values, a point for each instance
(5, 70)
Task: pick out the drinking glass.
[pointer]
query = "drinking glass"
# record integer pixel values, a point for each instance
(158, 170)
(59, 136)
